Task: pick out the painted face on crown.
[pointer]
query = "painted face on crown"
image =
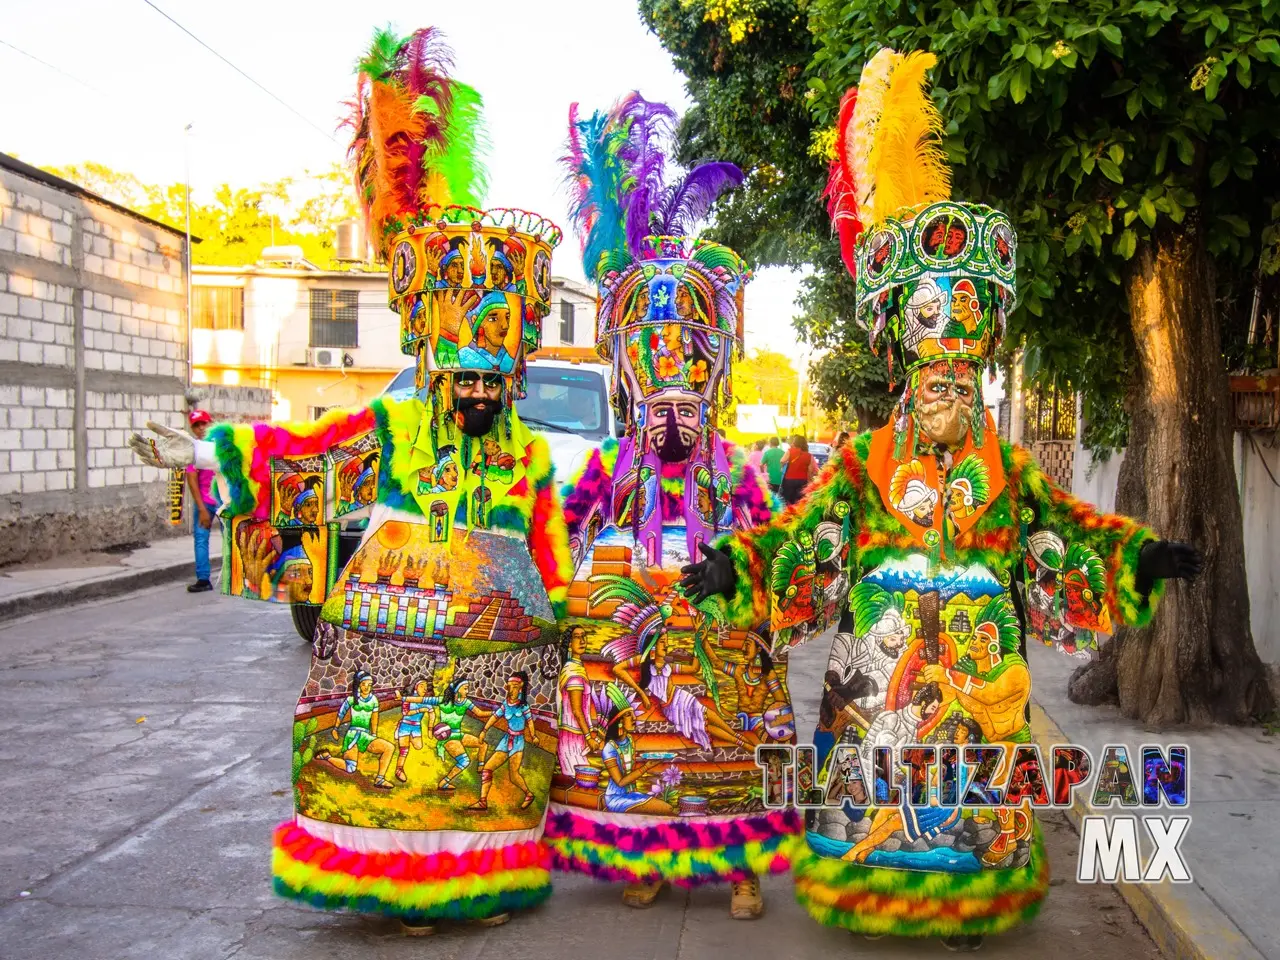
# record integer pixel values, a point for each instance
(494, 328)
(453, 272)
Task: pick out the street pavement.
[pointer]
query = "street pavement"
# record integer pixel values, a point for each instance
(146, 763)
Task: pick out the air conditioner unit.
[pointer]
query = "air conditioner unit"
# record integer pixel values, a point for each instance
(327, 357)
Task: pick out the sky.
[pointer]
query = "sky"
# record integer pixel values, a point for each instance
(120, 82)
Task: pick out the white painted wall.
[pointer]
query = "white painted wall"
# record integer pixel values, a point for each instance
(1260, 505)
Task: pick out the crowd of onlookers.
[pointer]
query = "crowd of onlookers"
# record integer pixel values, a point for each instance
(789, 468)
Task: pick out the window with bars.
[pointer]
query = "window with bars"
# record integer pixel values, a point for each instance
(217, 308)
(315, 413)
(1049, 414)
(335, 318)
(566, 323)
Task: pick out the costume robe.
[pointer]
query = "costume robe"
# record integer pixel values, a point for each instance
(944, 564)
(460, 575)
(712, 825)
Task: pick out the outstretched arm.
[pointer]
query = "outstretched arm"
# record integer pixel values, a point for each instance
(1137, 561)
(738, 569)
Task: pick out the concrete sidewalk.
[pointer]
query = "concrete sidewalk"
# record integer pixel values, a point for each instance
(1229, 909)
(33, 588)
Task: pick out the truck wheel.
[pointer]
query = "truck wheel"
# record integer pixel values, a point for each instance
(305, 618)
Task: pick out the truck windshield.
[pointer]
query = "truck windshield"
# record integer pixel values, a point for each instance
(567, 398)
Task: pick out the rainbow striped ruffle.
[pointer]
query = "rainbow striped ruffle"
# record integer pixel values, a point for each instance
(910, 903)
(439, 886)
(685, 853)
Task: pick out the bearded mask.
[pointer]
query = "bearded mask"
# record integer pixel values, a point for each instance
(945, 397)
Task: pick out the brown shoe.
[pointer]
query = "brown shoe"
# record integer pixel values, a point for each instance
(497, 920)
(417, 929)
(641, 894)
(746, 903)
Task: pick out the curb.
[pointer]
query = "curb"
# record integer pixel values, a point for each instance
(39, 601)
(1181, 918)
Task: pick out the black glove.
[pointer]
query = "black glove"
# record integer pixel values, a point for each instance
(709, 577)
(1166, 560)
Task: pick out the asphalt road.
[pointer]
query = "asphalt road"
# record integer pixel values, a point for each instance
(146, 761)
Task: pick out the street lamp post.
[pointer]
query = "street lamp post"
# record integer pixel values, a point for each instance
(186, 150)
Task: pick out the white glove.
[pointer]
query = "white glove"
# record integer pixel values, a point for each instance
(169, 448)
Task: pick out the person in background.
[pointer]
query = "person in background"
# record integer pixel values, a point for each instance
(200, 483)
(798, 468)
(772, 460)
(753, 458)
(841, 439)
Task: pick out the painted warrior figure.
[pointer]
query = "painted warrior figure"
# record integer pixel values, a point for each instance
(946, 522)
(702, 695)
(439, 633)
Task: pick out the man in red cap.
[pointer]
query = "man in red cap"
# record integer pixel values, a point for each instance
(200, 483)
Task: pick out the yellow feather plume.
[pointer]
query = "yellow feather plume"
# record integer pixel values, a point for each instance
(873, 89)
(907, 162)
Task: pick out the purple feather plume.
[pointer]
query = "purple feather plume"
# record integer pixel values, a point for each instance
(650, 130)
(686, 202)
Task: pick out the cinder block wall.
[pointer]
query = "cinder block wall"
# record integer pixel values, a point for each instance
(93, 343)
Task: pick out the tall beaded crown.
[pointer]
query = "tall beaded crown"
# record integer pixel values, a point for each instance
(935, 274)
(471, 286)
(670, 310)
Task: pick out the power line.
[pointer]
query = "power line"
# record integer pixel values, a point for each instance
(296, 113)
(45, 63)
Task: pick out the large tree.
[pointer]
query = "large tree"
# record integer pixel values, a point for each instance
(239, 222)
(1122, 138)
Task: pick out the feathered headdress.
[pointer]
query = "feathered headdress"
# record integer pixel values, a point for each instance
(888, 148)
(638, 611)
(416, 133)
(619, 168)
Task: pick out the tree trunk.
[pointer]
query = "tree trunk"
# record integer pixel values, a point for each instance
(1196, 663)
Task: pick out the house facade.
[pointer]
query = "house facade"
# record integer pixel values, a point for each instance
(320, 339)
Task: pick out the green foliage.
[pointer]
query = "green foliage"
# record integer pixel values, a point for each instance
(240, 221)
(1095, 125)
(765, 376)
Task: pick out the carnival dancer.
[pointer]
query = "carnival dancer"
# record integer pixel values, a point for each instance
(464, 574)
(940, 510)
(670, 321)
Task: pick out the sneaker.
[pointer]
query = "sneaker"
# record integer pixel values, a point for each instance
(200, 586)
(641, 894)
(746, 902)
(962, 944)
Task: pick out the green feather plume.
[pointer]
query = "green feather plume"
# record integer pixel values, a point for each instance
(383, 54)
(460, 164)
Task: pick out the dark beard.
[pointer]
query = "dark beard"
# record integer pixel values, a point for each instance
(673, 449)
(476, 415)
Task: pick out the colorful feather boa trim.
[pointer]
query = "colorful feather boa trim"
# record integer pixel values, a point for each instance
(681, 852)
(438, 886)
(910, 903)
